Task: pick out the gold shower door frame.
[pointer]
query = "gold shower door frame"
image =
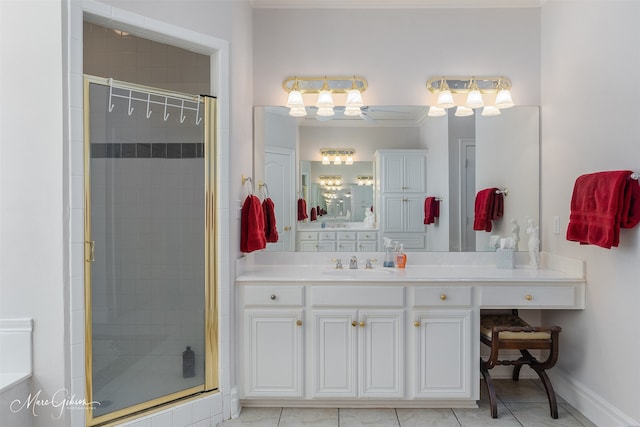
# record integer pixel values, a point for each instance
(211, 377)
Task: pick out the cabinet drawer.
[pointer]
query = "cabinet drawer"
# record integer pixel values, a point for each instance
(357, 296)
(346, 235)
(367, 235)
(527, 296)
(438, 296)
(307, 235)
(274, 295)
(327, 235)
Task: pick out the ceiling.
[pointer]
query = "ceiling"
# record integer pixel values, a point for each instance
(393, 4)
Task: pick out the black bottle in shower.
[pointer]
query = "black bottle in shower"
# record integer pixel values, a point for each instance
(188, 363)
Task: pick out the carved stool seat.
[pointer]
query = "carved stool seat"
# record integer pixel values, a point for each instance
(508, 331)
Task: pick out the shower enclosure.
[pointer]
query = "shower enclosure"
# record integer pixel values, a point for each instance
(151, 333)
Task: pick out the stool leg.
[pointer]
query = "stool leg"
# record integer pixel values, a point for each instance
(527, 358)
(490, 388)
(551, 395)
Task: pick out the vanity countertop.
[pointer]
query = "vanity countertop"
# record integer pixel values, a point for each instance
(295, 267)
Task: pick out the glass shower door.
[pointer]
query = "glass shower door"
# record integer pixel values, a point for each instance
(147, 296)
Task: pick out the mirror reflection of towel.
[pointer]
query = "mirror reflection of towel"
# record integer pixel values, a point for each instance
(302, 209)
(313, 215)
(431, 210)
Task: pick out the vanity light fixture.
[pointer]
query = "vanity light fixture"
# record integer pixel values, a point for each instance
(337, 154)
(330, 180)
(325, 87)
(364, 180)
(475, 88)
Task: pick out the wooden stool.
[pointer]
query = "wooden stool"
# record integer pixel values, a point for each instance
(508, 331)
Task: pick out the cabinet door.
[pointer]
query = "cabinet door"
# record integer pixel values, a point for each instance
(443, 354)
(415, 180)
(346, 246)
(334, 353)
(381, 343)
(326, 246)
(273, 353)
(308, 246)
(367, 246)
(392, 173)
(393, 214)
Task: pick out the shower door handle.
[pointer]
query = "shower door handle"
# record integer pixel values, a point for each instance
(92, 250)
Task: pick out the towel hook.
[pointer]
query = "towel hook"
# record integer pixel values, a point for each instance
(130, 110)
(148, 102)
(166, 115)
(248, 179)
(182, 116)
(263, 186)
(110, 94)
(198, 119)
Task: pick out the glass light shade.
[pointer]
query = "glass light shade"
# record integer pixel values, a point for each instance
(445, 99)
(322, 182)
(325, 99)
(490, 110)
(337, 160)
(338, 182)
(474, 99)
(325, 160)
(349, 160)
(354, 99)
(463, 111)
(435, 111)
(298, 112)
(360, 182)
(295, 99)
(352, 111)
(325, 112)
(503, 99)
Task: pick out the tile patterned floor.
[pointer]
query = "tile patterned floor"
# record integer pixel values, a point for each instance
(521, 404)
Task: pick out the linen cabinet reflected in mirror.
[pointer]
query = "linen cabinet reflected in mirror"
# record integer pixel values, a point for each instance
(463, 156)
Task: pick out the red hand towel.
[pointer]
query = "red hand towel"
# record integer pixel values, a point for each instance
(318, 210)
(302, 209)
(313, 215)
(601, 204)
(252, 226)
(270, 230)
(431, 210)
(484, 209)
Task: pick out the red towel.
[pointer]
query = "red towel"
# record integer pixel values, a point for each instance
(270, 230)
(252, 226)
(602, 203)
(313, 215)
(302, 209)
(431, 210)
(318, 210)
(489, 207)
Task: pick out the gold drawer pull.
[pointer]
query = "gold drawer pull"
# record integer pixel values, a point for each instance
(354, 323)
(443, 297)
(362, 324)
(528, 297)
(416, 323)
(299, 322)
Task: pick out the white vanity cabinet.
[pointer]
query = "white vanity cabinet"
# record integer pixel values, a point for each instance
(358, 353)
(337, 241)
(273, 355)
(402, 177)
(358, 341)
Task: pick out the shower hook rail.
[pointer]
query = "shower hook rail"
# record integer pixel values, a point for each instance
(184, 103)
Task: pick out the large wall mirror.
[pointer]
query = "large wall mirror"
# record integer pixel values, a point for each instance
(464, 155)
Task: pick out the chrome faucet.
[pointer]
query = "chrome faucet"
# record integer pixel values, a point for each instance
(369, 264)
(338, 262)
(353, 264)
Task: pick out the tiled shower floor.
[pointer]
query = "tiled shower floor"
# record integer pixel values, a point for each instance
(523, 403)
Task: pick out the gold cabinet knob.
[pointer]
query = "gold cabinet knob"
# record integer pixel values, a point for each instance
(443, 297)
(362, 324)
(354, 323)
(416, 323)
(528, 297)
(299, 322)
(287, 228)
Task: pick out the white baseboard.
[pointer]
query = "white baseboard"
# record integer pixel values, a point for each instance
(589, 403)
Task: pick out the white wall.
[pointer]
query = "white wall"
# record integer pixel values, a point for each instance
(587, 61)
(396, 50)
(32, 186)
